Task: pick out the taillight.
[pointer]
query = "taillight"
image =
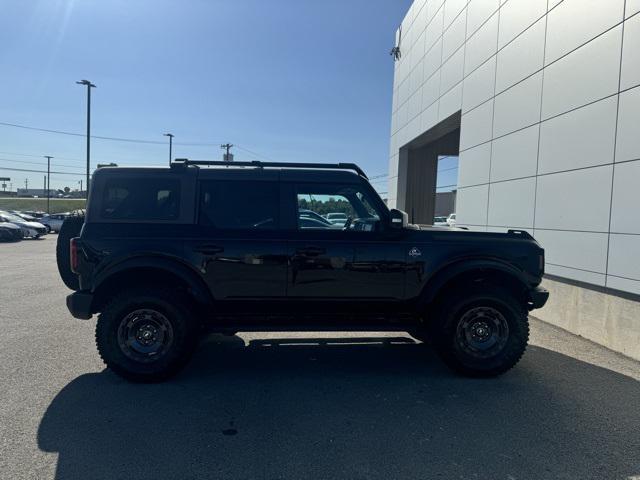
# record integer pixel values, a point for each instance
(73, 255)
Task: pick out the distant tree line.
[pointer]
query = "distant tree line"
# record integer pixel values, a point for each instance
(332, 205)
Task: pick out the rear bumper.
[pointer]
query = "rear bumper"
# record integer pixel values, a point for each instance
(79, 304)
(539, 297)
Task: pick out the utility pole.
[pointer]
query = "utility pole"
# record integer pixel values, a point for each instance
(227, 157)
(170, 135)
(47, 185)
(80, 182)
(89, 86)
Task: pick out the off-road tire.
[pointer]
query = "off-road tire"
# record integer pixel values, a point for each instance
(70, 229)
(170, 304)
(450, 345)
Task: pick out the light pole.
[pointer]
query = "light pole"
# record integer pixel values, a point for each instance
(170, 135)
(89, 87)
(48, 184)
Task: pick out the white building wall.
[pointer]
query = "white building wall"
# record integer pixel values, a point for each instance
(549, 92)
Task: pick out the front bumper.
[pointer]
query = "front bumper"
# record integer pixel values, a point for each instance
(538, 297)
(79, 304)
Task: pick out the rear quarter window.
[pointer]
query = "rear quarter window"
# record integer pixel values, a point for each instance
(140, 199)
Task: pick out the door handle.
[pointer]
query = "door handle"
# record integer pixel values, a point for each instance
(311, 251)
(209, 249)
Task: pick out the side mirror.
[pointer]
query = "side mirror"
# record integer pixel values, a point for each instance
(398, 219)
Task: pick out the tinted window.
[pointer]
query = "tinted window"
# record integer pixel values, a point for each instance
(239, 205)
(335, 207)
(141, 199)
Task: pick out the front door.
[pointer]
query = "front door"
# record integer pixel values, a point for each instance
(340, 250)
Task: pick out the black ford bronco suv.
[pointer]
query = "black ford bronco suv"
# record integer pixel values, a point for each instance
(164, 254)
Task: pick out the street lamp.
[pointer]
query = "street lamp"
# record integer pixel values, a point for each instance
(48, 157)
(89, 86)
(170, 135)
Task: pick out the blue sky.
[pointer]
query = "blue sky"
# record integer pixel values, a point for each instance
(303, 80)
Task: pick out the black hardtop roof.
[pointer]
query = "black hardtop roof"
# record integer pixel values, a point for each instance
(259, 170)
(181, 162)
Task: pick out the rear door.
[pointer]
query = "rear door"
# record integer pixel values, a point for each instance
(239, 249)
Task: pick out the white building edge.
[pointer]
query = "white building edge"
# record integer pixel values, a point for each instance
(541, 99)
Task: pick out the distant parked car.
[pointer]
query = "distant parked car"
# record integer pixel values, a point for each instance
(304, 214)
(24, 215)
(440, 222)
(29, 229)
(53, 222)
(34, 214)
(337, 218)
(451, 220)
(9, 232)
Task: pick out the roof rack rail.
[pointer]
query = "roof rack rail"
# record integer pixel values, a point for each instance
(260, 164)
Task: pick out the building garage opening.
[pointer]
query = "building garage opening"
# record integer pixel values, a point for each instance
(428, 172)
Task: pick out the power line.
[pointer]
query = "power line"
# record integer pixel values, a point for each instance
(257, 155)
(40, 156)
(36, 163)
(100, 137)
(41, 171)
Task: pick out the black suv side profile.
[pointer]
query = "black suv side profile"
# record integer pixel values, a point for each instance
(164, 254)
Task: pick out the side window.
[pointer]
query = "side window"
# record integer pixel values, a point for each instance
(141, 199)
(335, 207)
(228, 204)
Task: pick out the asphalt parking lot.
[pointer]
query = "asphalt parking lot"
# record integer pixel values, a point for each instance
(278, 406)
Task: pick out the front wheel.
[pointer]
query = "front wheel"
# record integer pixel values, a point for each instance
(146, 335)
(481, 331)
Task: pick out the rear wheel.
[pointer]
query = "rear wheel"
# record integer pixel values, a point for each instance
(146, 335)
(70, 229)
(480, 331)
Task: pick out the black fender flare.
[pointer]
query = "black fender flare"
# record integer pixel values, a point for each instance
(171, 265)
(459, 267)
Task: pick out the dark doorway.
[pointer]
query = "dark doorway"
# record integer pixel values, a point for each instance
(420, 178)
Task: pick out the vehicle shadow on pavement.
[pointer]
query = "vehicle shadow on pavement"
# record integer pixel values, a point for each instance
(346, 408)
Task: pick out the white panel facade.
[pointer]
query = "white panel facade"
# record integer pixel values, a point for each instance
(628, 140)
(630, 75)
(522, 57)
(515, 155)
(584, 137)
(549, 96)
